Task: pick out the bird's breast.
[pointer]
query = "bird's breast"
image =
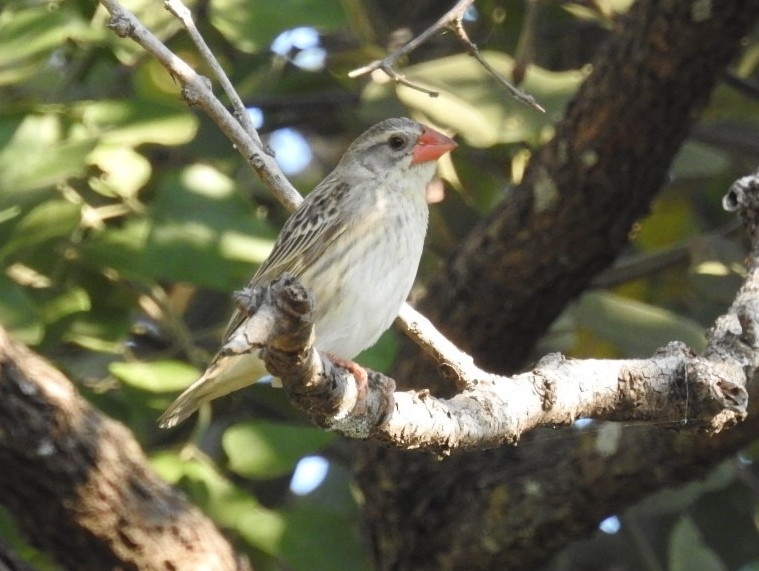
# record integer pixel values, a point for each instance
(365, 275)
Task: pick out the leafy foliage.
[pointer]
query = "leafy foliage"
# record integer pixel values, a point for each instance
(126, 220)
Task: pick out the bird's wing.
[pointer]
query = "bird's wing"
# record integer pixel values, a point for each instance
(302, 239)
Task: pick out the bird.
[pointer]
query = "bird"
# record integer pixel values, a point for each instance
(354, 242)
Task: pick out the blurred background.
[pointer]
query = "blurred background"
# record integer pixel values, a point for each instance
(127, 219)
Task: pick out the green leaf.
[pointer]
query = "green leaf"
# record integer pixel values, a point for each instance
(251, 25)
(635, 328)
(124, 171)
(120, 249)
(198, 230)
(381, 355)
(29, 35)
(688, 552)
(19, 313)
(47, 221)
(156, 376)
(69, 302)
(475, 105)
(312, 530)
(201, 216)
(697, 160)
(134, 122)
(672, 219)
(260, 449)
(229, 505)
(35, 157)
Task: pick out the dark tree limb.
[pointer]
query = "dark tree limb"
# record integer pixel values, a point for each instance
(79, 486)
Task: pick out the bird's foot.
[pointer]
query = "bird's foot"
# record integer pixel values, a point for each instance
(358, 372)
(361, 376)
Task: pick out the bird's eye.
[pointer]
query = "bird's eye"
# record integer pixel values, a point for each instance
(396, 142)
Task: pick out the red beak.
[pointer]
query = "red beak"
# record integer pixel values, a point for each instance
(430, 146)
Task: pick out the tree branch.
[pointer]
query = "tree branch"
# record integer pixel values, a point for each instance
(452, 20)
(704, 392)
(196, 90)
(79, 486)
(183, 14)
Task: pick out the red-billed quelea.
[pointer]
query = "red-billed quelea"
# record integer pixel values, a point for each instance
(355, 243)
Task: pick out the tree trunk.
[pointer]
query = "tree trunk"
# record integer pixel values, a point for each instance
(79, 486)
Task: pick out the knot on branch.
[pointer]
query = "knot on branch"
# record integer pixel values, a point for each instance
(278, 319)
(748, 317)
(676, 349)
(718, 389)
(733, 396)
(193, 93)
(546, 388)
(743, 197)
(278, 315)
(121, 26)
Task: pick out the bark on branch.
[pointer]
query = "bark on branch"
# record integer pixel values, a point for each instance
(79, 486)
(706, 392)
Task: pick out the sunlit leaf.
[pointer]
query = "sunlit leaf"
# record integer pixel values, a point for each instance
(155, 376)
(671, 220)
(478, 108)
(124, 171)
(265, 450)
(203, 232)
(19, 313)
(134, 122)
(35, 156)
(229, 505)
(635, 328)
(53, 219)
(73, 300)
(198, 230)
(688, 552)
(251, 25)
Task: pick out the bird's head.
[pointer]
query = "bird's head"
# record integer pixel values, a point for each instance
(397, 144)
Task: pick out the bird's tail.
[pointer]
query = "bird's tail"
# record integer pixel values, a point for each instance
(225, 374)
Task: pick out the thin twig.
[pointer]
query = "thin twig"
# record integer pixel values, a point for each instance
(387, 64)
(453, 362)
(403, 80)
(458, 28)
(197, 91)
(184, 15)
(526, 43)
(451, 20)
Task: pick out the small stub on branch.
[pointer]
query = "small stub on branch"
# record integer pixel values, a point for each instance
(121, 26)
(743, 197)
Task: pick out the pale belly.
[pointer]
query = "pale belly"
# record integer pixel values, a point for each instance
(371, 293)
